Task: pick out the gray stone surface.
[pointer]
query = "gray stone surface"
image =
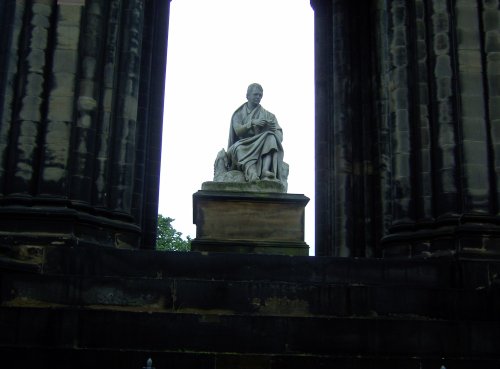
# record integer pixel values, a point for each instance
(256, 186)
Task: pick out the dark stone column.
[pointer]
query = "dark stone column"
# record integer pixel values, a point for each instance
(452, 157)
(90, 62)
(150, 119)
(323, 54)
(11, 14)
(55, 175)
(407, 127)
(81, 103)
(344, 184)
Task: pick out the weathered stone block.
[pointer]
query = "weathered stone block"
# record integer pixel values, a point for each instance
(399, 36)
(448, 159)
(34, 82)
(495, 107)
(421, 50)
(401, 137)
(65, 61)
(441, 43)
(491, 19)
(471, 83)
(477, 181)
(63, 84)
(473, 106)
(469, 59)
(440, 22)
(401, 101)
(439, 5)
(67, 37)
(27, 131)
(493, 60)
(400, 56)
(39, 37)
(492, 41)
(249, 222)
(470, 128)
(30, 109)
(69, 15)
(443, 87)
(467, 39)
(494, 84)
(398, 77)
(495, 130)
(60, 108)
(443, 66)
(42, 9)
(53, 174)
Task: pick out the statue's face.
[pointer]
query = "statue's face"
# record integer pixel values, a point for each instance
(255, 96)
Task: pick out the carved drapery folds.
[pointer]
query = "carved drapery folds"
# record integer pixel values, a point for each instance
(431, 69)
(77, 114)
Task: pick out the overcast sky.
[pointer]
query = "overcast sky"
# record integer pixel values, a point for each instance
(215, 50)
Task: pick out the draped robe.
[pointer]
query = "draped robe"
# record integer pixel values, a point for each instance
(255, 142)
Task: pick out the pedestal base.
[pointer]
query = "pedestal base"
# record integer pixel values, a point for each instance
(249, 222)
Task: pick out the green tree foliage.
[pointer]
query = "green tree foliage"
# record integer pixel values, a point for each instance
(169, 239)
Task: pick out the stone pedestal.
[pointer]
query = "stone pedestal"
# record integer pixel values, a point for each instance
(249, 222)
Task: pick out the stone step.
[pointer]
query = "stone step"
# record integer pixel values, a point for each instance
(99, 329)
(77, 358)
(167, 294)
(100, 261)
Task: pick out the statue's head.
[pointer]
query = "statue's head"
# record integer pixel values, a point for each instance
(254, 93)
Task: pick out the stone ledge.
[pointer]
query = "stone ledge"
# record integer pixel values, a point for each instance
(257, 186)
(251, 247)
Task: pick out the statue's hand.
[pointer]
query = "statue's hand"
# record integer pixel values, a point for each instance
(271, 125)
(259, 122)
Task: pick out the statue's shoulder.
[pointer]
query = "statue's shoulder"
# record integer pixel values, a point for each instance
(266, 113)
(264, 110)
(239, 109)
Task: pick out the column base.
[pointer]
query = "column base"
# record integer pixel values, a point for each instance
(468, 240)
(61, 226)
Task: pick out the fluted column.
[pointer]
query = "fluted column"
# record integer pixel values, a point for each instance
(472, 108)
(323, 53)
(344, 156)
(407, 127)
(491, 63)
(27, 118)
(123, 155)
(11, 16)
(106, 112)
(54, 178)
(87, 96)
(81, 107)
(150, 120)
(451, 156)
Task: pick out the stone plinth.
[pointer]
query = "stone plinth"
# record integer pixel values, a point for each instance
(257, 186)
(249, 222)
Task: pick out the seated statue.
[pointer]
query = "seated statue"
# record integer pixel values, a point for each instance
(254, 149)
